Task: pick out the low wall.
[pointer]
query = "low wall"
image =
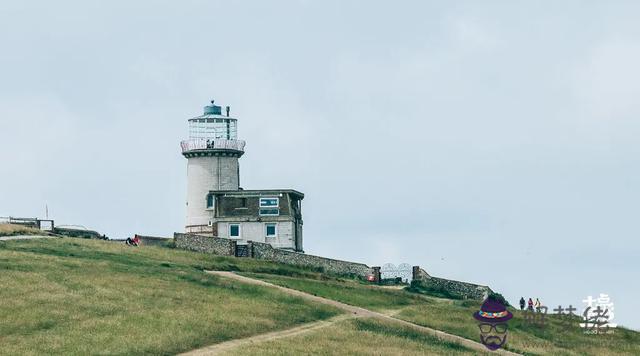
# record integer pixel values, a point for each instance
(153, 240)
(258, 250)
(463, 289)
(419, 273)
(214, 245)
(266, 252)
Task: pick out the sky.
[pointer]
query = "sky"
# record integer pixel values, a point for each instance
(494, 142)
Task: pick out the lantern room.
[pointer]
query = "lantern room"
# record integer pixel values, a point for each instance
(213, 125)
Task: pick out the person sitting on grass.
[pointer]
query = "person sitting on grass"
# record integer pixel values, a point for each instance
(133, 242)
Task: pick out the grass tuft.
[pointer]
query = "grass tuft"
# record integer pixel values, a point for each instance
(388, 330)
(13, 229)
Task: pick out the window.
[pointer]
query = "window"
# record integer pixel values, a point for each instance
(268, 202)
(269, 212)
(210, 201)
(241, 204)
(269, 207)
(234, 230)
(272, 230)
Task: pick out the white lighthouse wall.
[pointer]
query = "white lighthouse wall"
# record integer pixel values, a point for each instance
(203, 175)
(256, 231)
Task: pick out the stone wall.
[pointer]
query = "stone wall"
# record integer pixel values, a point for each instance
(214, 245)
(419, 273)
(463, 289)
(263, 251)
(266, 252)
(153, 240)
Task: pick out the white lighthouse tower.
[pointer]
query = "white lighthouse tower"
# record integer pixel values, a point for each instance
(212, 153)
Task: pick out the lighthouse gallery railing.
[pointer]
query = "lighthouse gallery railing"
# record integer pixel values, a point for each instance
(207, 144)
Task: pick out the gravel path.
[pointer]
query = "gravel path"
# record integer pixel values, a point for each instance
(354, 312)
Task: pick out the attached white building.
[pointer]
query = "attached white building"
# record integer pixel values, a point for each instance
(269, 216)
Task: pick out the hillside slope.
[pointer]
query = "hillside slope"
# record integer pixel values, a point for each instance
(74, 296)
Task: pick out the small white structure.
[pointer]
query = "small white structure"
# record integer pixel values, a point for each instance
(216, 205)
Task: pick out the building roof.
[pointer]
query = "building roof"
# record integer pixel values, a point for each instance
(257, 192)
(213, 116)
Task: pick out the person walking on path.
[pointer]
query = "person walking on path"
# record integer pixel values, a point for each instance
(537, 305)
(521, 303)
(530, 305)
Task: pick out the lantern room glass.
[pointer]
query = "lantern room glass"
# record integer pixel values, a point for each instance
(213, 128)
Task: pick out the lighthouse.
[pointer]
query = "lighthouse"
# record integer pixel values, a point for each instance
(212, 151)
(217, 206)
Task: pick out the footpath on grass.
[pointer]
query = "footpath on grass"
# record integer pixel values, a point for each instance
(26, 237)
(232, 344)
(354, 312)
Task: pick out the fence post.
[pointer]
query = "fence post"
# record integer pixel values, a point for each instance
(416, 272)
(233, 248)
(250, 243)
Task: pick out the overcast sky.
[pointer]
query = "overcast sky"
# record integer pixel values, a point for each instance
(492, 142)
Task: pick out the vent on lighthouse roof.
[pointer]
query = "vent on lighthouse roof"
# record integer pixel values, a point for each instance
(212, 109)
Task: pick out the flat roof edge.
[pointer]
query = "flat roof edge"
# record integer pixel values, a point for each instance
(257, 191)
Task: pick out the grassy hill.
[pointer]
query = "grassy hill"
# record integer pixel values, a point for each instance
(74, 296)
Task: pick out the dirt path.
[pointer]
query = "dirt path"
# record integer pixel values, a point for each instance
(228, 345)
(354, 312)
(25, 237)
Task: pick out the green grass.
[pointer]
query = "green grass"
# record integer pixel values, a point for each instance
(75, 296)
(351, 292)
(72, 296)
(358, 337)
(455, 317)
